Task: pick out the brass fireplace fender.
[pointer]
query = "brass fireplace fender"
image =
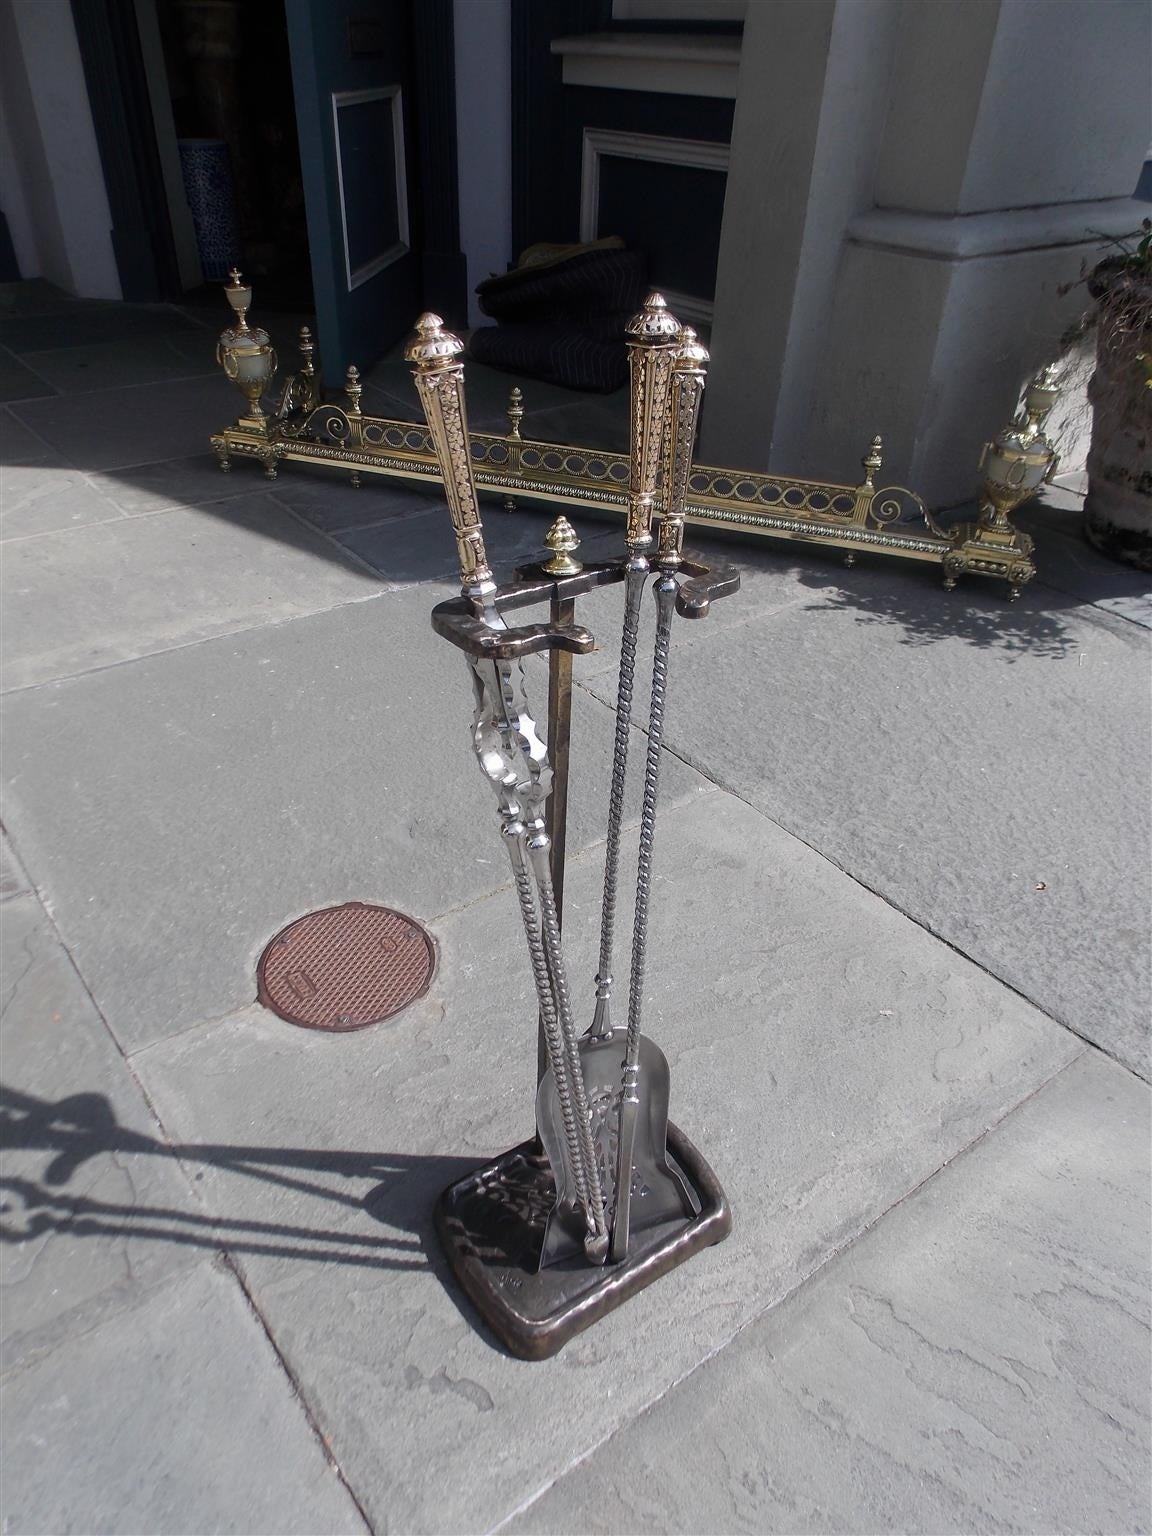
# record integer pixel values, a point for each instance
(884, 519)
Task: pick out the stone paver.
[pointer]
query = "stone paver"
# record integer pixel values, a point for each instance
(177, 483)
(978, 1361)
(116, 590)
(18, 382)
(826, 1054)
(966, 1358)
(976, 763)
(87, 324)
(1068, 563)
(326, 499)
(172, 1418)
(109, 365)
(137, 424)
(49, 497)
(419, 547)
(13, 880)
(256, 777)
(86, 1180)
(18, 445)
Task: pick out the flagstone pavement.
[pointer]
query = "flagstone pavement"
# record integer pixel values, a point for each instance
(899, 965)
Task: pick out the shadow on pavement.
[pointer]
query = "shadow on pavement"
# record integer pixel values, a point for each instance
(1031, 626)
(84, 1126)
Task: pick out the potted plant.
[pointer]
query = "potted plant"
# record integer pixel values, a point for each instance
(1118, 506)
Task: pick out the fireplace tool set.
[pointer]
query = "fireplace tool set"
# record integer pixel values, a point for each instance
(609, 1195)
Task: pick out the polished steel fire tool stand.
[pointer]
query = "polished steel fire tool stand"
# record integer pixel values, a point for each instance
(558, 1231)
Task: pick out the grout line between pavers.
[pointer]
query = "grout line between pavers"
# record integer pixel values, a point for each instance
(818, 1269)
(297, 1390)
(39, 436)
(346, 555)
(187, 645)
(1088, 602)
(36, 374)
(225, 1253)
(889, 901)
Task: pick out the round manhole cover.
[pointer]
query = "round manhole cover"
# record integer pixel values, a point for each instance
(345, 967)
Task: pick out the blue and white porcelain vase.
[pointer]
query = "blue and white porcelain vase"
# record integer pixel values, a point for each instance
(211, 194)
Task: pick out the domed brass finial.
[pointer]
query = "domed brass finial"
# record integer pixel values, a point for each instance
(562, 539)
(432, 345)
(691, 350)
(655, 322)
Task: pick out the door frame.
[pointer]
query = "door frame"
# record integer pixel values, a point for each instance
(142, 240)
(112, 58)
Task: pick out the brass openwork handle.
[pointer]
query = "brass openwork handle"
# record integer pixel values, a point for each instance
(653, 336)
(439, 375)
(689, 368)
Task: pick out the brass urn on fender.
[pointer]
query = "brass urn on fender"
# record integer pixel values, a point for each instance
(1016, 463)
(246, 354)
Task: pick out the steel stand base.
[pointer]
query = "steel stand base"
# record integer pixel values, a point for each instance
(491, 1227)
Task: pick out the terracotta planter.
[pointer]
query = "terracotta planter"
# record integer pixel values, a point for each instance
(1118, 507)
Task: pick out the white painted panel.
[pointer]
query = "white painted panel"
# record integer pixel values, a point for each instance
(676, 64)
(484, 139)
(385, 258)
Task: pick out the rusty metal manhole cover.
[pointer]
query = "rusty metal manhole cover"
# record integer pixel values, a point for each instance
(345, 967)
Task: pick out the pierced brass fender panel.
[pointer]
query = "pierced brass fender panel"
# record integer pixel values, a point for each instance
(886, 520)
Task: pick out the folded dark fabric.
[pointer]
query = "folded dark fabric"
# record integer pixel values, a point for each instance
(593, 282)
(564, 322)
(574, 356)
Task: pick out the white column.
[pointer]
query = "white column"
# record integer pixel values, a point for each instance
(483, 138)
(1011, 135)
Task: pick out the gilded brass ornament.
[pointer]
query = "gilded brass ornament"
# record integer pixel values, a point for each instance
(868, 517)
(515, 414)
(247, 357)
(562, 540)
(1017, 462)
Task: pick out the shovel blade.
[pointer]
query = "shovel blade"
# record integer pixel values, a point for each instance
(659, 1193)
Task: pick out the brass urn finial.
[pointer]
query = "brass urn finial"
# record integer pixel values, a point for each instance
(353, 389)
(872, 461)
(239, 295)
(515, 413)
(562, 539)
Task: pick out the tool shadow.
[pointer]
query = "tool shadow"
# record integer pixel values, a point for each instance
(75, 1131)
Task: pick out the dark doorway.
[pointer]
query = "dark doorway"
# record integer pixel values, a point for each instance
(229, 78)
